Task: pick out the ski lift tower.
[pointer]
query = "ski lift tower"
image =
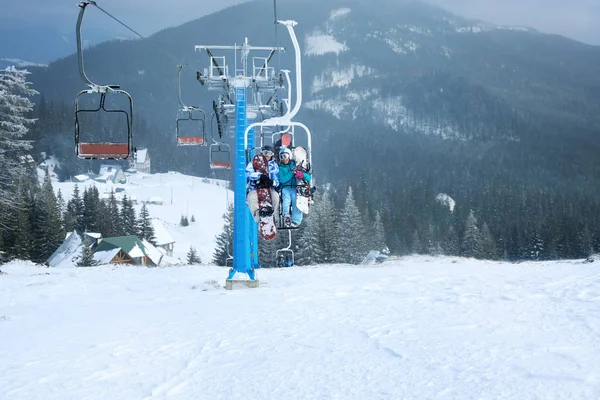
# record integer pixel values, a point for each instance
(242, 99)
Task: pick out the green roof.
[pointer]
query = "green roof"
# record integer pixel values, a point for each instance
(125, 243)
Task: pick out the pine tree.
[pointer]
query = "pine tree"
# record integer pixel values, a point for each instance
(48, 234)
(487, 246)
(184, 221)
(193, 219)
(377, 235)
(145, 230)
(91, 210)
(73, 216)
(61, 208)
(224, 247)
(112, 214)
(471, 237)
(326, 230)
(351, 245)
(128, 217)
(21, 238)
(307, 247)
(87, 255)
(451, 244)
(14, 107)
(192, 256)
(417, 243)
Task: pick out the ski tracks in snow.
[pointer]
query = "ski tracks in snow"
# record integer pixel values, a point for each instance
(420, 328)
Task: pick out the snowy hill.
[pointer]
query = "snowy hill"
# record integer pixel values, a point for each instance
(418, 328)
(181, 195)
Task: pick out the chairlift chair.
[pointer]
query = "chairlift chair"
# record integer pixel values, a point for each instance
(192, 118)
(219, 156)
(285, 255)
(87, 148)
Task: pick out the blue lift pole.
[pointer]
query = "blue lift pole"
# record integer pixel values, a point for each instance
(252, 225)
(241, 234)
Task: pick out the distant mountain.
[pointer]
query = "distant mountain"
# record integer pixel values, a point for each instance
(41, 44)
(428, 100)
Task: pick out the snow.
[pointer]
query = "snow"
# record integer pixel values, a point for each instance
(335, 106)
(446, 200)
(205, 199)
(332, 78)
(21, 63)
(486, 27)
(419, 30)
(414, 328)
(140, 156)
(104, 257)
(339, 12)
(81, 177)
(152, 252)
(319, 43)
(68, 254)
(136, 252)
(161, 234)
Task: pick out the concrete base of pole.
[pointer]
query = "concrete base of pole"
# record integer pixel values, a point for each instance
(231, 284)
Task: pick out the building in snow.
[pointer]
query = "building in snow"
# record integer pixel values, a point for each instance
(163, 239)
(141, 161)
(156, 200)
(79, 178)
(124, 250)
(110, 173)
(69, 252)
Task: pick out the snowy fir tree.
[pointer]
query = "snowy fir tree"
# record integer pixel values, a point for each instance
(87, 255)
(111, 222)
(267, 249)
(417, 243)
(91, 210)
(73, 217)
(193, 257)
(14, 108)
(486, 248)
(325, 223)
(377, 235)
(145, 230)
(351, 245)
(307, 244)
(62, 207)
(128, 217)
(224, 247)
(471, 237)
(47, 228)
(184, 221)
(20, 240)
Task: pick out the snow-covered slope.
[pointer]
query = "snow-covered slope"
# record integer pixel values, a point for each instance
(417, 328)
(205, 199)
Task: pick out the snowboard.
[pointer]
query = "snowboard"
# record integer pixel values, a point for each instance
(303, 191)
(267, 227)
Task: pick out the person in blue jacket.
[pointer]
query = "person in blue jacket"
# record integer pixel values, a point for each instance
(254, 177)
(288, 176)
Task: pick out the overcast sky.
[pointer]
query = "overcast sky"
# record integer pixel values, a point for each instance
(577, 19)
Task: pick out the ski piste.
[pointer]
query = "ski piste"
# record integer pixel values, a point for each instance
(267, 227)
(303, 191)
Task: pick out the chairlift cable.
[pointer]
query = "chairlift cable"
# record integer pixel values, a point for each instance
(276, 35)
(131, 29)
